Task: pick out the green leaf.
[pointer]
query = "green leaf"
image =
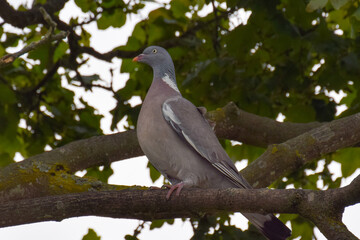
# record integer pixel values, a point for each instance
(116, 19)
(91, 78)
(199, 67)
(60, 50)
(157, 33)
(127, 65)
(238, 43)
(41, 1)
(350, 96)
(102, 175)
(89, 119)
(302, 228)
(41, 53)
(85, 38)
(154, 174)
(86, 5)
(349, 159)
(179, 8)
(300, 113)
(200, 4)
(7, 95)
(5, 159)
(139, 32)
(110, 3)
(91, 235)
(231, 3)
(356, 14)
(315, 4)
(157, 224)
(2, 50)
(337, 4)
(130, 237)
(244, 151)
(128, 91)
(9, 119)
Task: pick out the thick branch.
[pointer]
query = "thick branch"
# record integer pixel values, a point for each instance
(350, 194)
(22, 19)
(236, 124)
(280, 160)
(152, 204)
(144, 204)
(48, 173)
(332, 228)
(82, 154)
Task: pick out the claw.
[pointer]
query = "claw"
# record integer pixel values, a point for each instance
(168, 186)
(176, 187)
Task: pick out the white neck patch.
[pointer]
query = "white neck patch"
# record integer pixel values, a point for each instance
(170, 82)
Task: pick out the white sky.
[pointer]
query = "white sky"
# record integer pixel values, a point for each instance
(128, 172)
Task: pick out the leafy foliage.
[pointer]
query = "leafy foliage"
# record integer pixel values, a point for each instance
(91, 235)
(285, 58)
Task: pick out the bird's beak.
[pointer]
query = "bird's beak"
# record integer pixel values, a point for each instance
(138, 58)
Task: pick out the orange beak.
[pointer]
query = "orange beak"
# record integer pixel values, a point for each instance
(137, 58)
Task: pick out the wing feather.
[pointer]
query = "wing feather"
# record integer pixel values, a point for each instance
(193, 128)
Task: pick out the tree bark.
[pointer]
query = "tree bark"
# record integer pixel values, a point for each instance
(236, 124)
(282, 159)
(152, 204)
(22, 19)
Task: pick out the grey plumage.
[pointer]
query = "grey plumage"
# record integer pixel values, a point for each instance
(180, 143)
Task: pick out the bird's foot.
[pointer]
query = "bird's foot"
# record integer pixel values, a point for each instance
(172, 188)
(154, 187)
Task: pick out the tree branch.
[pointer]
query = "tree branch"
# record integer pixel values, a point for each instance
(46, 78)
(236, 124)
(78, 155)
(47, 182)
(152, 204)
(9, 58)
(22, 19)
(108, 56)
(280, 160)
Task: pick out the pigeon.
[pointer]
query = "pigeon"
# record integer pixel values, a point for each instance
(181, 144)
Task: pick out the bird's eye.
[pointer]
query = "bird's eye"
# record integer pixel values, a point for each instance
(154, 50)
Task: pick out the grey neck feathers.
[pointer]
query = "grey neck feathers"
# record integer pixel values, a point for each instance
(162, 70)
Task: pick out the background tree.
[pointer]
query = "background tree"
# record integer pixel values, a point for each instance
(284, 61)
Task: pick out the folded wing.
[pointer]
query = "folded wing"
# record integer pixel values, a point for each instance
(193, 128)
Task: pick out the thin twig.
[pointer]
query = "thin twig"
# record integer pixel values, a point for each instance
(216, 37)
(9, 58)
(48, 19)
(46, 78)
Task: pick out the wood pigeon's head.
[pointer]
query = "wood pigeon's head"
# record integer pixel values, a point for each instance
(156, 57)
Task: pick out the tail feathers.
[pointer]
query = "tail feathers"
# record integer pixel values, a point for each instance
(269, 225)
